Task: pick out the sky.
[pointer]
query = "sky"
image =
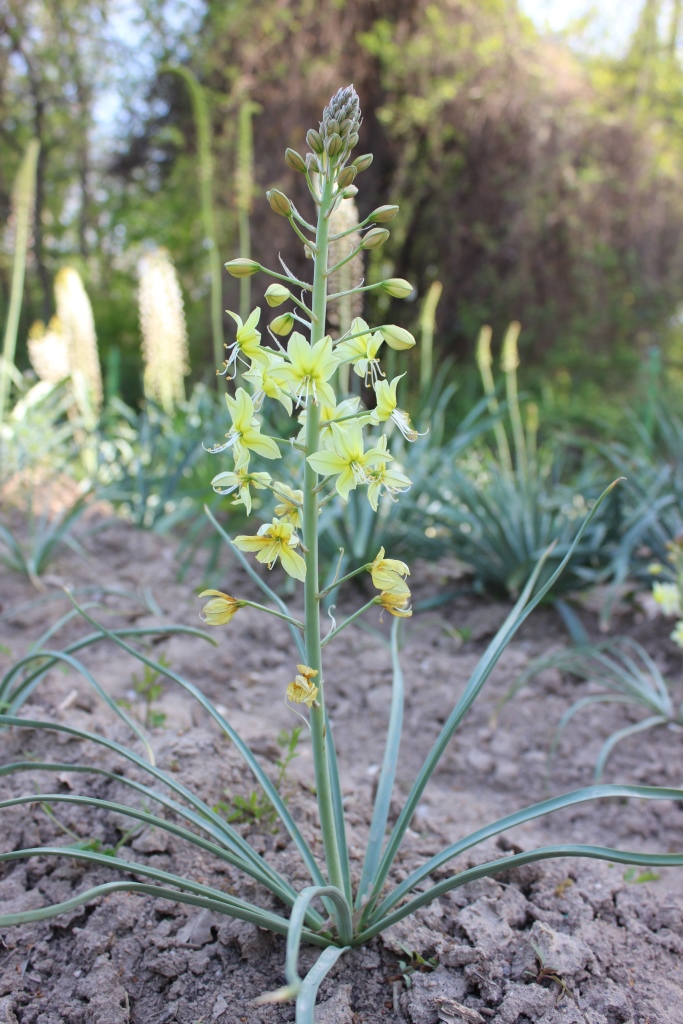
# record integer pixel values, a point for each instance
(610, 24)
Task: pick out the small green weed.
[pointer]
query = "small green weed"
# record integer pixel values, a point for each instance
(416, 963)
(546, 972)
(257, 808)
(637, 878)
(149, 689)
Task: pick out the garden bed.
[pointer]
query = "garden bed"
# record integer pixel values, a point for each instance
(558, 942)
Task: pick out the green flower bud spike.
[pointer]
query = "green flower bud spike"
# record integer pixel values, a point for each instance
(276, 294)
(242, 267)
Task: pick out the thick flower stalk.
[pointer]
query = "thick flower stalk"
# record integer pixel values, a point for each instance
(342, 441)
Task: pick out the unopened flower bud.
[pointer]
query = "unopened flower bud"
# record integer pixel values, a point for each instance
(333, 127)
(295, 161)
(283, 324)
(242, 267)
(315, 141)
(333, 145)
(276, 294)
(397, 337)
(382, 214)
(353, 140)
(374, 238)
(346, 177)
(279, 202)
(349, 192)
(361, 163)
(397, 287)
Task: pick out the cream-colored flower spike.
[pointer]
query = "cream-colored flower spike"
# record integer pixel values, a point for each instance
(164, 334)
(74, 313)
(48, 351)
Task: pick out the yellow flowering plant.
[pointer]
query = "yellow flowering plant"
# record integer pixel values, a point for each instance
(343, 445)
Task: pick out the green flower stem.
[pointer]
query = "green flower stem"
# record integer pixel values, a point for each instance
(288, 280)
(302, 305)
(341, 263)
(347, 622)
(271, 611)
(338, 583)
(358, 288)
(360, 334)
(310, 532)
(307, 241)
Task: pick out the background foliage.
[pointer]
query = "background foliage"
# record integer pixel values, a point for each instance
(536, 183)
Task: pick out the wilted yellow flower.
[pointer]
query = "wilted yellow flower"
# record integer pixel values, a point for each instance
(289, 508)
(396, 602)
(221, 608)
(389, 574)
(275, 540)
(302, 690)
(667, 597)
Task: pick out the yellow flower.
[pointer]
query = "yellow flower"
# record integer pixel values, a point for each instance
(329, 414)
(362, 351)
(221, 608)
(289, 509)
(667, 597)
(385, 393)
(389, 574)
(677, 635)
(275, 540)
(396, 603)
(226, 483)
(245, 432)
(347, 460)
(260, 375)
(247, 341)
(308, 370)
(383, 480)
(302, 690)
